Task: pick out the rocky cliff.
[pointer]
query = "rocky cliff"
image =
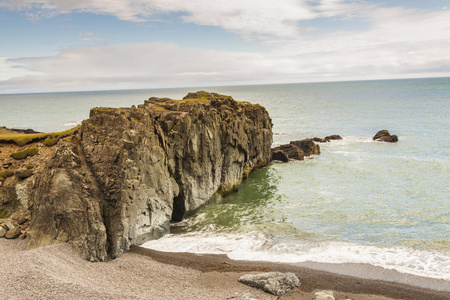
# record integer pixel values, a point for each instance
(128, 172)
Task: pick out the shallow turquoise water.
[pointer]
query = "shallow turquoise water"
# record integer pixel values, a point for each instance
(359, 201)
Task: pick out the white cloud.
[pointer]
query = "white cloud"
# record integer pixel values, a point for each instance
(165, 65)
(397, 43)
(245, 17)
(10, 69)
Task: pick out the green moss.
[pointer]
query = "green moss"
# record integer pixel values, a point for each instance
(225, 191)
(201, 100)
(6, 173)
(4, 213)
(25, 153)
(23, 139)
(50, 142)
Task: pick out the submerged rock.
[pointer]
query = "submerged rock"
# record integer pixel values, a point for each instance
(327, 138)
(333, 137)
(385, 136)
(272, 282)
(128, 172)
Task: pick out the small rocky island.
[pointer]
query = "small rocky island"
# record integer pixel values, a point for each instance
(122, 176)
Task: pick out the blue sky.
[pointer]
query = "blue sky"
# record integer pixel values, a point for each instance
(67, 45)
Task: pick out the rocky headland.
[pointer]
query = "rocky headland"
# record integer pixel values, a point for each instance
(125, 174)
(121, 177)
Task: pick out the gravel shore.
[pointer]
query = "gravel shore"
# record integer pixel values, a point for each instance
(56, 272)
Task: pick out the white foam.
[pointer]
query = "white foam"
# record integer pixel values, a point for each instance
(73, 124)
(258, 247)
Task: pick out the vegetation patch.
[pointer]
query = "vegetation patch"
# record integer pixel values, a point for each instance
(25, 153)
(5, 174)
(226, 191)
(22, 139)
(50, 142)
(4, 213)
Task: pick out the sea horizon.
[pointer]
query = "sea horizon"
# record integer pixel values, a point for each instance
(220, 85)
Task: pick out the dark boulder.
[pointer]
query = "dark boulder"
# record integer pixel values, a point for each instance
(295, 150)
(320, 140)
(308, 146)
(327, 138)
(333, 137)
(13, 233)
(385, 136)
(280, 155)
(24, 173)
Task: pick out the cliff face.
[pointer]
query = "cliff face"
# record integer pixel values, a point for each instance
(129, 172)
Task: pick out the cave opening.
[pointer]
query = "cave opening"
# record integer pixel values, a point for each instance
(179, 209)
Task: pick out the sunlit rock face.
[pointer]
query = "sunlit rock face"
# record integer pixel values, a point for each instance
(129, 172)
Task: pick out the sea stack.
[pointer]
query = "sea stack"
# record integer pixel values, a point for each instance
(128, 172)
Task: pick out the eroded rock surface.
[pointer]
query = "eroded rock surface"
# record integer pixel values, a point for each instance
(128, 172)
(272, 282)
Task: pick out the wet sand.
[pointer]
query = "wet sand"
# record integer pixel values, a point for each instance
(56, 272)
(312, 279)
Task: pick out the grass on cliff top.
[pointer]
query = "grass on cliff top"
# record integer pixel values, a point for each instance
(205, 98)
(22, 139)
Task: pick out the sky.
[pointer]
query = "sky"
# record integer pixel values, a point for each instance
(77, 45)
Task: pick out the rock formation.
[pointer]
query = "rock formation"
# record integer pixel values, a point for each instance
(295, 150)
(327, 138)
(128, 172)
(385, 136)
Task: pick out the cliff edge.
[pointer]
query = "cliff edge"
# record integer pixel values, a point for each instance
(128, 172)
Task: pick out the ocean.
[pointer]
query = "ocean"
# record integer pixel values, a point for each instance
(359, 202)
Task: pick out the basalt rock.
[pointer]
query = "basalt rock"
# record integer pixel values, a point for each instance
(128, 172)
(297, 150)
(327, 138)
(333, 137)
(385, 136)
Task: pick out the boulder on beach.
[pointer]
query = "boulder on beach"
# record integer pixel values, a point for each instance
(385, 136)
(275, 283)
(13, 233)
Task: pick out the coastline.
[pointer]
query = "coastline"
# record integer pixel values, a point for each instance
(313, 276)
(53, 272)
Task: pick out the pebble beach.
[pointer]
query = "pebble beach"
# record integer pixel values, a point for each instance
(56, 272)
